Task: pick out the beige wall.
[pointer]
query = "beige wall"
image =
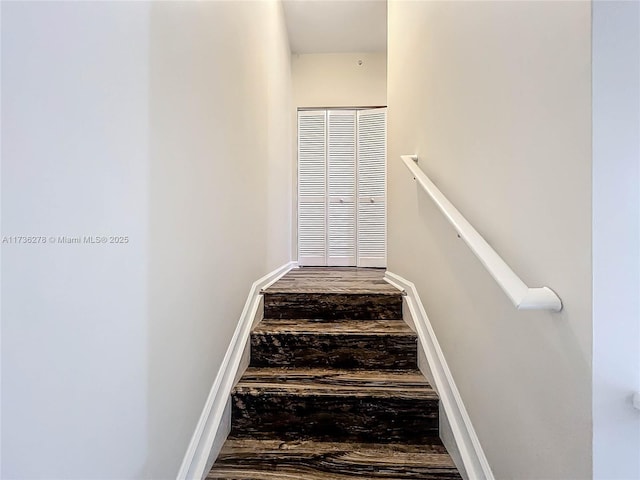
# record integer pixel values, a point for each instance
(495, 99)
(336, 79)
(220, 195)
(152, 121)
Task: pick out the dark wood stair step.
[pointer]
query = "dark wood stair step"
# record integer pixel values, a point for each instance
(333, 306)
(308, 460)
(333, 391)
(328, 404)
(363, 344)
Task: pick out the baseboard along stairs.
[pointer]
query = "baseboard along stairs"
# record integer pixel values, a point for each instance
(333, 389)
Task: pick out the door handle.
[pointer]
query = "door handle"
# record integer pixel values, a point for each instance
(372, 200)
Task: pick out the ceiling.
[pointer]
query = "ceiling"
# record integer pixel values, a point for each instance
(336, 26)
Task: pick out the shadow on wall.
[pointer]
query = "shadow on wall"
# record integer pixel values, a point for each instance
(219, 196)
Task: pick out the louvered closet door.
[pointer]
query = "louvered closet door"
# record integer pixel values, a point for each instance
(372, 174)
(312, 188)
(341, 158)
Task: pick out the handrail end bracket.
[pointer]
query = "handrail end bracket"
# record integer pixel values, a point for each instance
(542, 298)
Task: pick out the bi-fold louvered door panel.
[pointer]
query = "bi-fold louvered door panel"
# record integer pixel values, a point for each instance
(312, 188)
(372, 187)
(341, 187)
(341, 158)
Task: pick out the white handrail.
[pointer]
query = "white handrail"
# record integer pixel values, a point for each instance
(522, 296)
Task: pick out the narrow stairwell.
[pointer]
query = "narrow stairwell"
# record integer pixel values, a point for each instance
(333, 390)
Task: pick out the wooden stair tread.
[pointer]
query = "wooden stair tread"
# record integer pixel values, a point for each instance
(333, 390)
(245, 459)
(335, 382)
(342, 327)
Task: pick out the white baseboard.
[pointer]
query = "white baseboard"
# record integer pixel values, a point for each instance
(215, 421)
(456, 430)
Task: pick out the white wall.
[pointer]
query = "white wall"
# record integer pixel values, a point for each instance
(336, 79)
(616, 241)
(152, 121)
(495, 98)
(75, 161)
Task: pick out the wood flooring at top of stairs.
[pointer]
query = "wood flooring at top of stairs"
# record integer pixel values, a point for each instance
(345, 280)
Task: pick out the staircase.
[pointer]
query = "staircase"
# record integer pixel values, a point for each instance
(333, 390)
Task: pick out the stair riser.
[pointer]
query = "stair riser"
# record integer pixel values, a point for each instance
(277, 468)
(335, 418)
(333, 306)
(334, 351)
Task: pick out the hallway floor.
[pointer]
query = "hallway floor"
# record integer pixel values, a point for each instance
(333, 280)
